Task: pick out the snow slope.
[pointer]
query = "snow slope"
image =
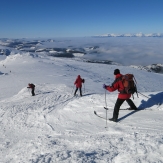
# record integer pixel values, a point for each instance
(55, 127)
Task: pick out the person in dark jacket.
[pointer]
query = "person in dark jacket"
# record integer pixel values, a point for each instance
(78, 82)
(122, 96)
(32, 87)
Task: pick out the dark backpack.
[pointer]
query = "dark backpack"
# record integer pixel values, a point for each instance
(129, 84)
(83, 80)
(32, 85)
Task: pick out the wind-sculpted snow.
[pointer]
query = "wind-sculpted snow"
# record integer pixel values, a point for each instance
(54, 126)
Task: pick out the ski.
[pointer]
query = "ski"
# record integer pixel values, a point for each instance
(77, 96)
(106, 108)
(137, 109)
(103, 117)
(128, 109)
(99, 115)
(132, 109)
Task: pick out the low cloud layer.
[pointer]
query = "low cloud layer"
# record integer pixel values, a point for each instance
(124, 50)
(127, 51)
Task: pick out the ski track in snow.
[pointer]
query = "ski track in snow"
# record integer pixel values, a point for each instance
(54, 126)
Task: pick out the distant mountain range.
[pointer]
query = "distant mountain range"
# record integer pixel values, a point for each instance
(157, 68)
(131, 35)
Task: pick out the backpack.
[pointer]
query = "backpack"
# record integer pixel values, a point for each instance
(83, 80)
(129, 81)
(32, 85)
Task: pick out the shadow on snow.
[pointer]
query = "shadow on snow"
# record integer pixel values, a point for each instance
(154, 99)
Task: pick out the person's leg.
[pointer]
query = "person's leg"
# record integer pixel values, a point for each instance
(33, 92)
(117, 106)
(76, 91)
(80, 91)
(131, 104)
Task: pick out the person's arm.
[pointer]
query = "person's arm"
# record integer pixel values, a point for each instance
(75, 82)
(113, 87)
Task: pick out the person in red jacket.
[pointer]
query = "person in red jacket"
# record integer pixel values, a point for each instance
(78, 82)
(32, 87)
(122, 96)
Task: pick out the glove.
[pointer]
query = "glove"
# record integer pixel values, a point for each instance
(104, 86)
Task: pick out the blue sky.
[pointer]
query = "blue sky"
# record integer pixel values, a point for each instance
(73, 18)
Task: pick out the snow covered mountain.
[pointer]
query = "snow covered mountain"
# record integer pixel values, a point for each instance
(157, 68)
(131, 35)
(56, 127)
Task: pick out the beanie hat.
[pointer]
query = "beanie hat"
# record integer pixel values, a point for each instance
(116, 71)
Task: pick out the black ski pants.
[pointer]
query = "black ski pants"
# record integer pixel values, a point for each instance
(77, 90)
(118, 104)
(33, 93)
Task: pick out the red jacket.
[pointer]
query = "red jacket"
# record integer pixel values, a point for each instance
(32, 86)
(118, 85)
(78, 82)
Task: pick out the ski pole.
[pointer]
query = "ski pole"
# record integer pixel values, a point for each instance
(106, 109)
(84, 87)
(148, 98)
(73, 89)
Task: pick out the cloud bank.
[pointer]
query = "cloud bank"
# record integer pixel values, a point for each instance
(124, 50)
(127, 51)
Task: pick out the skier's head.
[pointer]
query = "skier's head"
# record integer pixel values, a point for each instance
(78, 76)
(116, 71)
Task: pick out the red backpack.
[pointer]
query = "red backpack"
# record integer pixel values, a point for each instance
(129, 83)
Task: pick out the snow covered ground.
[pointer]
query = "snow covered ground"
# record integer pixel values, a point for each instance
(55, 127)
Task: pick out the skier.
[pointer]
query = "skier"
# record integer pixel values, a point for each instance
(122, 96)
(78, 82)
(32, 87)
